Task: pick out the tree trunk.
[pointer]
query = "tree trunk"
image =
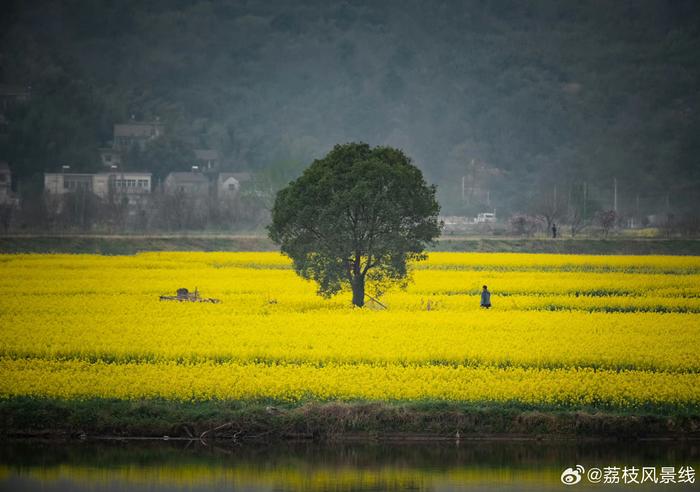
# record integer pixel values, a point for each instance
(358, 291)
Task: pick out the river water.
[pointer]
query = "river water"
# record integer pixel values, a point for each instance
(502, 465)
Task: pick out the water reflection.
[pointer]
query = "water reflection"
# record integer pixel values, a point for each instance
(474, 465)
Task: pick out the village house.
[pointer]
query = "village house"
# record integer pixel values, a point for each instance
(124, 137)
(134, 186)
(228, 185)
(207, 159)
(127, 135)
(193, 184)
(60, 183)
(110, 158)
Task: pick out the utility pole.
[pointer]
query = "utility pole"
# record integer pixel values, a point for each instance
(463, 177)
(585, 198)
(615, 194)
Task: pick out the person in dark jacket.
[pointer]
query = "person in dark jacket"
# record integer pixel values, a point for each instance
(485, 298)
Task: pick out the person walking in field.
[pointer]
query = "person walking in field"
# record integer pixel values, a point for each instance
(485, 298)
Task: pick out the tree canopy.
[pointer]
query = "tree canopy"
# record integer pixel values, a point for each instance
(359, 214)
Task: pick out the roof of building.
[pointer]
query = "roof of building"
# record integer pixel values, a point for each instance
(141, 129)
(70, 175)
(186, 177)
(240, 177)
(206, 154)
(125, 173)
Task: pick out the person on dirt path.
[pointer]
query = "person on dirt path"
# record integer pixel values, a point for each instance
(554, 231)
(485, 298)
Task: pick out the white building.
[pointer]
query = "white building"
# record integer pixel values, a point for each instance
(228, 185)
(60, 183)
(193, 184)
(127, 135)
(135, 186)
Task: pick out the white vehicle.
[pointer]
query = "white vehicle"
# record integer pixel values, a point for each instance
(485, 217)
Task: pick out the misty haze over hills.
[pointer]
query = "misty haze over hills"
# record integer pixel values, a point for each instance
(518, 98)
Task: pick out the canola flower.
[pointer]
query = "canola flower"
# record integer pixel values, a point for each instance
(568, 330)
(393, 382)
(190, 333)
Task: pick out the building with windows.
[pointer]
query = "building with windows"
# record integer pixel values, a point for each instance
(135, 186)
(115, 185)
(193, 184)
(60, 183)
(207, 159)
(228, 185)
(127, 135)
(110, 158)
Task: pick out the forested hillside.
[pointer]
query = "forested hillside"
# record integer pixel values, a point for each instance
(520, 97)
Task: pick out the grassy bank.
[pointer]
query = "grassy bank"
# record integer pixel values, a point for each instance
(131, 244)
(26, 417)
(613, 246)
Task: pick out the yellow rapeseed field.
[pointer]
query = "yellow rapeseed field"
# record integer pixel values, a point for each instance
(564, 330)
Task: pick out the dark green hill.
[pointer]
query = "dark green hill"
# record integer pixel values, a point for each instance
(539, 94)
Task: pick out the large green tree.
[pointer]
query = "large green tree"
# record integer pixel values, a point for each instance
(359, 214)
